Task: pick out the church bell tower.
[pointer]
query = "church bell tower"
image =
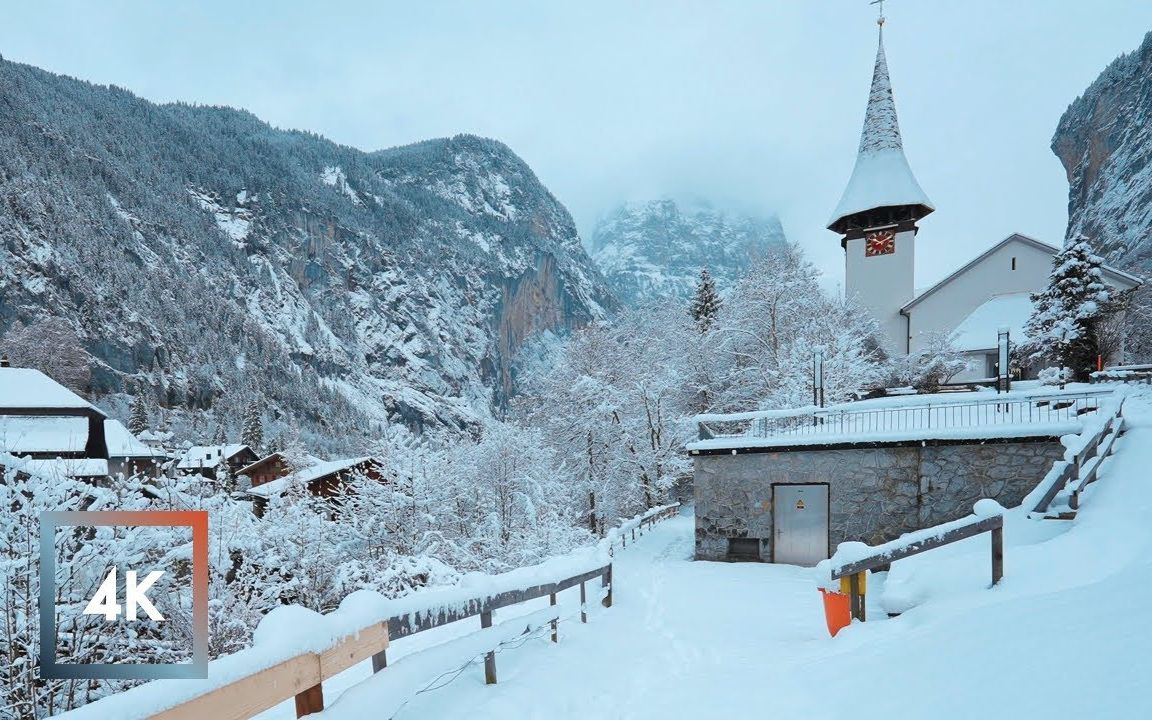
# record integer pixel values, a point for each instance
(877, 216)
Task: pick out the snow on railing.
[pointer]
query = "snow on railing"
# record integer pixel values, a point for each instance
(853, 559)
(1082, 458)
(890, 418)
(296, 649)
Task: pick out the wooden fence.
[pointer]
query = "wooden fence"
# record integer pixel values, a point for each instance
(302, 677)
(1082, 470)
(922, 541)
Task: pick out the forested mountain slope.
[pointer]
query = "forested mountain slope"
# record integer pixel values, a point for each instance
(212, 261)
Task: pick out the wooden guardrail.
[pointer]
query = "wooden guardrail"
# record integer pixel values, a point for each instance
(1082, 470)
(916, 543)
(302, 676)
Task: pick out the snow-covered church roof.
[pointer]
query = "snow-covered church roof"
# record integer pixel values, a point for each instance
(882, 176)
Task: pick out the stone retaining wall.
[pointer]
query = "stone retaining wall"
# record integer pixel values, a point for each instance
(875, 493)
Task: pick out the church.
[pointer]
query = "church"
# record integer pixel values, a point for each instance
(877, 218)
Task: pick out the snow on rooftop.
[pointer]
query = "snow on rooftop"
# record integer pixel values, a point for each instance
(37, 434)
(62, 467)
(28, 388)
(882, 176)
(880, 179)
(306, 475)
(981, 329)
(207, 456)
(121, 442)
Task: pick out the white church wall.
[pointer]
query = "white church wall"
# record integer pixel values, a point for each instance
(883, 284)
(1016, 266)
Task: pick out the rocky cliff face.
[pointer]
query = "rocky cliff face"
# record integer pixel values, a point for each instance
(1104, 140)
(655, 250)
(211, 261)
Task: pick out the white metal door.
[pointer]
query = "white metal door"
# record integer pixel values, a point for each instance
(800, 524)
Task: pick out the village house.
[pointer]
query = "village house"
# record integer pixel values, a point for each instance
(323, 479)
(127, 455)
(48, 429)
(205, 460)
(266, 469)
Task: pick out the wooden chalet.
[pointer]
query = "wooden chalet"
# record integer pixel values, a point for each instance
(205, 459)
(48, 430)
(324, 479)
(266, 469)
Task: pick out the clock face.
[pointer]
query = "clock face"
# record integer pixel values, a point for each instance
(879, 242)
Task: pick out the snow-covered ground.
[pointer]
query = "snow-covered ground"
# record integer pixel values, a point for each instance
(1065, 635)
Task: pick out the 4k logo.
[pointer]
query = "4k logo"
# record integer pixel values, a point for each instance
(135, 594)
(136, 605)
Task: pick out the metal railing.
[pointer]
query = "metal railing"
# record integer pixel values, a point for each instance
(1033, 410)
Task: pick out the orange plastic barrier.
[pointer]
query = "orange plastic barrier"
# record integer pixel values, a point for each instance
(837, 611)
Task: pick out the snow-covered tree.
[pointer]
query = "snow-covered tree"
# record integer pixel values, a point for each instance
(706, 302)
(138, 418)
(253, 432)
(1066, 326)
(937, 363)
(776, 317)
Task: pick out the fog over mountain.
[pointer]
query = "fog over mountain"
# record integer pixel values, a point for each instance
(655, 250)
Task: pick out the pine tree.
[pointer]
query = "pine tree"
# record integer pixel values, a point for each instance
(138, 420)
(706, 303)
(253, 432)
(1065, 326)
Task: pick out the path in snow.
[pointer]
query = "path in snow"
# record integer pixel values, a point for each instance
(680, 634)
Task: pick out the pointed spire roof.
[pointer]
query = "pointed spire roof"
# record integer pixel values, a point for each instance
(882, 176)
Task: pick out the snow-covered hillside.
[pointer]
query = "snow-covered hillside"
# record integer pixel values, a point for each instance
(211, 262)
(1103, 142)
(656, 250)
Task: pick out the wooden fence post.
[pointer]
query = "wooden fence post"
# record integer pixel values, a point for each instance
(997, 554)
(310, 701)
(606, 581)
(583, 607)
(856, 597)
(490, 658)
(555, 623)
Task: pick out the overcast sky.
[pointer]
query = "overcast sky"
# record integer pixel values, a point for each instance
(754, 103)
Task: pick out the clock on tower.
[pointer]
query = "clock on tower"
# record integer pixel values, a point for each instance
(879, 242)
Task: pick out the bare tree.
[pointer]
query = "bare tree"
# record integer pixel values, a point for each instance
(51, 346)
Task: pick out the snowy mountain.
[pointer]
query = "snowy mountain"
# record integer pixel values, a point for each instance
(212, 261)
(1103, 142)
(656, 249)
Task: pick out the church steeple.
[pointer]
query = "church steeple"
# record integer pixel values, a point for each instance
(882, 189)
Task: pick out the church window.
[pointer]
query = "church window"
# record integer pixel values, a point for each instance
(1013, 263)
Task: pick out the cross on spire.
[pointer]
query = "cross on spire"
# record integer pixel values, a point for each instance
(879, 20)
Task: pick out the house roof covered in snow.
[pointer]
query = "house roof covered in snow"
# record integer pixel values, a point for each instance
(28, 388)
(122, 443)
(981, 329)
(56, 468)
(1118, 277)
(21, 434)
(207, 456)
(882, 176)
(310, 474)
